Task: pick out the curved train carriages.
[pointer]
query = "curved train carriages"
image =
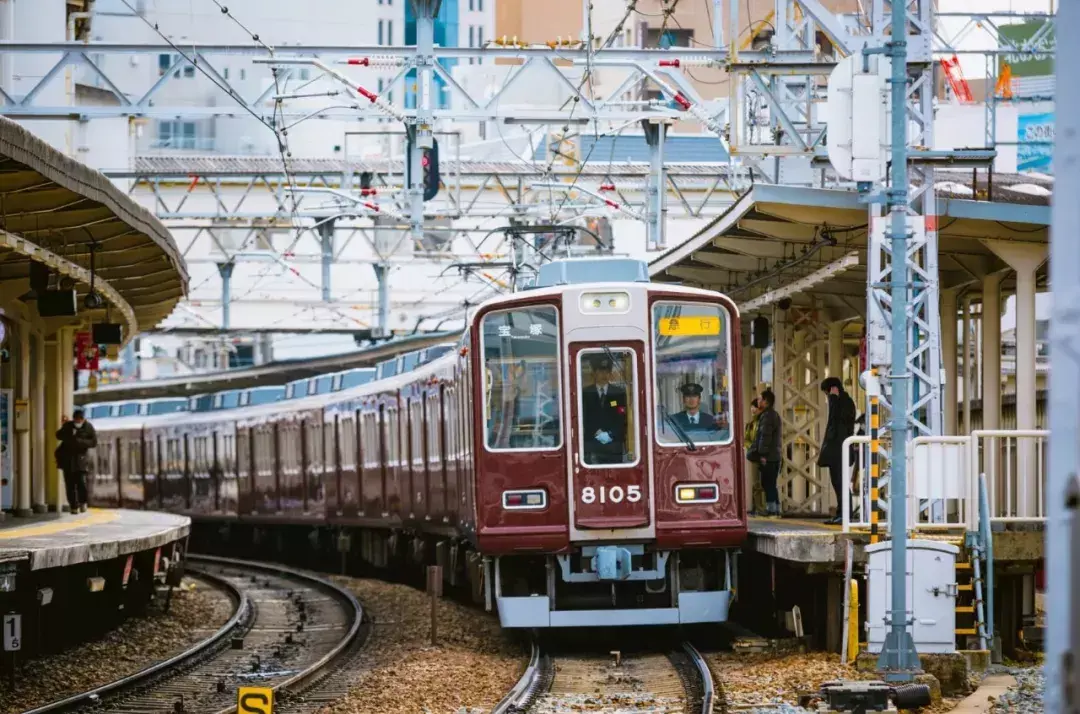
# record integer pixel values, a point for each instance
(574, 457)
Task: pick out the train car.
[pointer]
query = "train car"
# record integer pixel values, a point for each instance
(574, 457)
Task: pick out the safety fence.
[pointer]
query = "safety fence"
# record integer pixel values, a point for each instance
(943, 480)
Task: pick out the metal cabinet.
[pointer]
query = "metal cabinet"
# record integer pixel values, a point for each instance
(931, 594)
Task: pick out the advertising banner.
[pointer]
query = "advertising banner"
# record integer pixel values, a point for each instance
(1035, 134)
(1040, 45)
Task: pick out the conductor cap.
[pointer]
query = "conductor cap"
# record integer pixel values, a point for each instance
(690, 389)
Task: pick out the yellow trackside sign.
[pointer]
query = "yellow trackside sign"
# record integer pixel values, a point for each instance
(255, 700)
(689, 326)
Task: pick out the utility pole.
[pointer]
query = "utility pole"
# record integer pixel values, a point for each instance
(898, 656)
(420, 132)
(1063, 484)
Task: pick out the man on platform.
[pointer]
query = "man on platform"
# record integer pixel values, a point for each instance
(77, 437)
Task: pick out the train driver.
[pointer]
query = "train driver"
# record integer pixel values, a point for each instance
(692, 419)
(605, 418)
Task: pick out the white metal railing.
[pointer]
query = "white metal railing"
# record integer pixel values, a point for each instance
(860, 492)
(1014, 462)
(943, 480)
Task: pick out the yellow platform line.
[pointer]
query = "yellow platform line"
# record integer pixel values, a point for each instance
(93, 517)
(780, 522)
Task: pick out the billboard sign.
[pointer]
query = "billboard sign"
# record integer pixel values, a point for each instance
(1035, 134)
(1035, 48)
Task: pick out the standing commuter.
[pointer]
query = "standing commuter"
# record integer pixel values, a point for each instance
(749, 436)
(840, 426)
(77, 437)
(767, 451)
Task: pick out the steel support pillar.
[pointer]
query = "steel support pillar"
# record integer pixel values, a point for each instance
(991, 351)
(421, 132)
(66, 376)
(836, 351)
(1063, 485)
(326, 243)
(949, 358)
(382, 275)
(967, 389)
(54, 490)
(225, 270)
(22, 426)
(38, 441)
(656, 190)
(899, 660)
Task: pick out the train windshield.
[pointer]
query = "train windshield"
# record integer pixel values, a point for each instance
(693, 366)
(607, 387)
(521, 377)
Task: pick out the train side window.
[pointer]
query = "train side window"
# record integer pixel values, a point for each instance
(521, 379)
(692, 348)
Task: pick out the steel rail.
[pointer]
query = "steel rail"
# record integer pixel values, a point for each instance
(318, 666)
(137, 678)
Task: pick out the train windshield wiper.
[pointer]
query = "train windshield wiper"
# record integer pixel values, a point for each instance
(690, 446)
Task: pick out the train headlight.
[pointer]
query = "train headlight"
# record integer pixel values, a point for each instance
(592, 303)
(525, 500)
(697, 493)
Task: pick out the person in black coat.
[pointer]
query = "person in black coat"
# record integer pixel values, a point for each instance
(77, 437)
(840, 426)
(604, 407)
(767, 450)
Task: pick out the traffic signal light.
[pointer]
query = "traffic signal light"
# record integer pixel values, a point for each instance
(430, 163)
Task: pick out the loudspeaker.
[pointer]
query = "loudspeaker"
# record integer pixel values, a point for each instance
(106, 333)
(57, 303)
(759, 332)
(39, 277)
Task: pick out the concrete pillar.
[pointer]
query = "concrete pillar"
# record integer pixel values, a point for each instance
(779, 388)
(799, 485)
(53, 489)
(991, 349)
(22, 423)
(1025, 259)
(38, 442)
(948, 356)
(966, 389)
(836, 350)
(749, 381)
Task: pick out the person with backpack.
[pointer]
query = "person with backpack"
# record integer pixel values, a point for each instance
(77, 437)
(767, 451)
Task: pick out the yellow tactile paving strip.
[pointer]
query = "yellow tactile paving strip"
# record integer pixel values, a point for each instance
(92, 517)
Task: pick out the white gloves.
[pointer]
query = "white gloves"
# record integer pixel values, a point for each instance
(603, 437)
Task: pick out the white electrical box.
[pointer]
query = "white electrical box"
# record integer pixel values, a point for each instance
(856, 111)
(931, 595)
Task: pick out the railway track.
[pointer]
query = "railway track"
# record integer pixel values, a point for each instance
(290, 631)
(674, 682)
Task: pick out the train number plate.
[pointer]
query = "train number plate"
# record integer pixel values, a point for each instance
(611, 494)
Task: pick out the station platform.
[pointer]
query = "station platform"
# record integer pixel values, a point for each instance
(52, 541)
(814, 542)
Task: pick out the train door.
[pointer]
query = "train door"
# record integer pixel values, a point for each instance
(610, 475)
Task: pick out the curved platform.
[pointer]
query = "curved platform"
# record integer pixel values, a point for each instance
(95, 536)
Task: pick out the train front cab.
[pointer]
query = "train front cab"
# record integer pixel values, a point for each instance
(634, 528)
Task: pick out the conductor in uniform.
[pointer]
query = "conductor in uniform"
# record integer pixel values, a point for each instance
(604, 407)
(691, 419)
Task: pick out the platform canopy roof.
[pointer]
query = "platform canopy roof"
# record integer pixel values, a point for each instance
(58, 211)
(810, 245)
(274, 373)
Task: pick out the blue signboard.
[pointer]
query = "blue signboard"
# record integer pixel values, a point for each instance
(1035, 134)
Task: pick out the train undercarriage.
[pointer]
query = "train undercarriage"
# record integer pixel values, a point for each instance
(602, 585)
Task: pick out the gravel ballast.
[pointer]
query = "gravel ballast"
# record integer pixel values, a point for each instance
(1027, 696)
(196, 611)
(774, 682)
(471, 668)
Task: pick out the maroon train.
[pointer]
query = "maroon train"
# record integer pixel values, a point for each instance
(573, 457)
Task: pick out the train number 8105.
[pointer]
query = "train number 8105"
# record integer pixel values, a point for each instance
(614, 494)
